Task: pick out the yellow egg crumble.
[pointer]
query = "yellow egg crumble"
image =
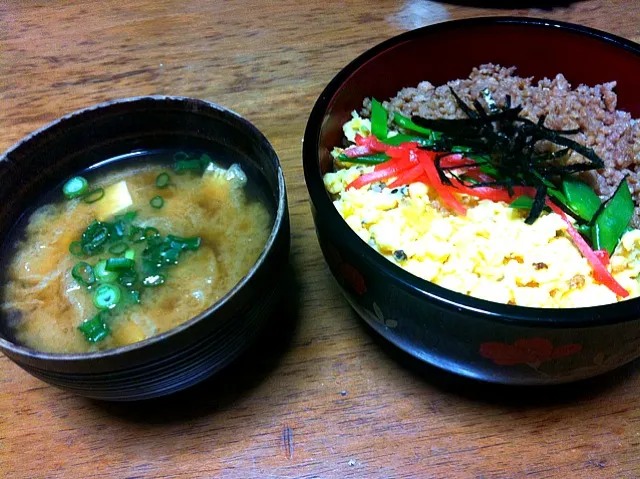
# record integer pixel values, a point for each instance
(490, 253)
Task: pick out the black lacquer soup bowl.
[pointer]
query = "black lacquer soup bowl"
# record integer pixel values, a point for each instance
(204, 344)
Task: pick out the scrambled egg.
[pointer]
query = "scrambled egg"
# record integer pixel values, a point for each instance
(356, 125)
(490, 253)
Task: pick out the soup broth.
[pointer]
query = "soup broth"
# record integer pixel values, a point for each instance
(177, 242)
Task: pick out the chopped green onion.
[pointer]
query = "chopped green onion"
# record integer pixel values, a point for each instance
(157, 254)
(75, 248)
(95, 329)
(185, 243)
(135, 296)
(170, 256)
(150, 232)
(379, 116)
(136, 234)
(151, 264)
(102, 274)
(94, 237)
(192, 244)
(107, 296)
(187, 165)
(93, 195)
(163, 254)
(119, 271)
(155, 240)
(76, 186)
(118, 248)
(92, 249)
(117, 230)
(128, 217)
(156, 202)
(128, 278)
(205, 160)
(119, 264)
(163, 180)
(180, 156)
(84, 274)
(154, 280)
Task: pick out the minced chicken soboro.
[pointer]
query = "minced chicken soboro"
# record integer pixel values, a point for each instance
(490, 252)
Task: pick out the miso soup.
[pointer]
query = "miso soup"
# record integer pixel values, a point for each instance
(134, 248)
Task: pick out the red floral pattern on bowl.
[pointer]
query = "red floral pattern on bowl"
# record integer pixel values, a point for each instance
(526, 351)
(351, 276)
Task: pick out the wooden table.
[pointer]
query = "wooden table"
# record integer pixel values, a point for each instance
(318, 396)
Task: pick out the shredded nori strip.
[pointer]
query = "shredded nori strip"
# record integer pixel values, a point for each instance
(504, 143)
(538, 205)
(443, 177)
(463, 106)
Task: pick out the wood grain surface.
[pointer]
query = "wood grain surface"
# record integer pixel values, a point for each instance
(318, 396)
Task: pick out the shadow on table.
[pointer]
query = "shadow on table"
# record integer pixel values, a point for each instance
(230, 384)
(504, 395)
(510, 4)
